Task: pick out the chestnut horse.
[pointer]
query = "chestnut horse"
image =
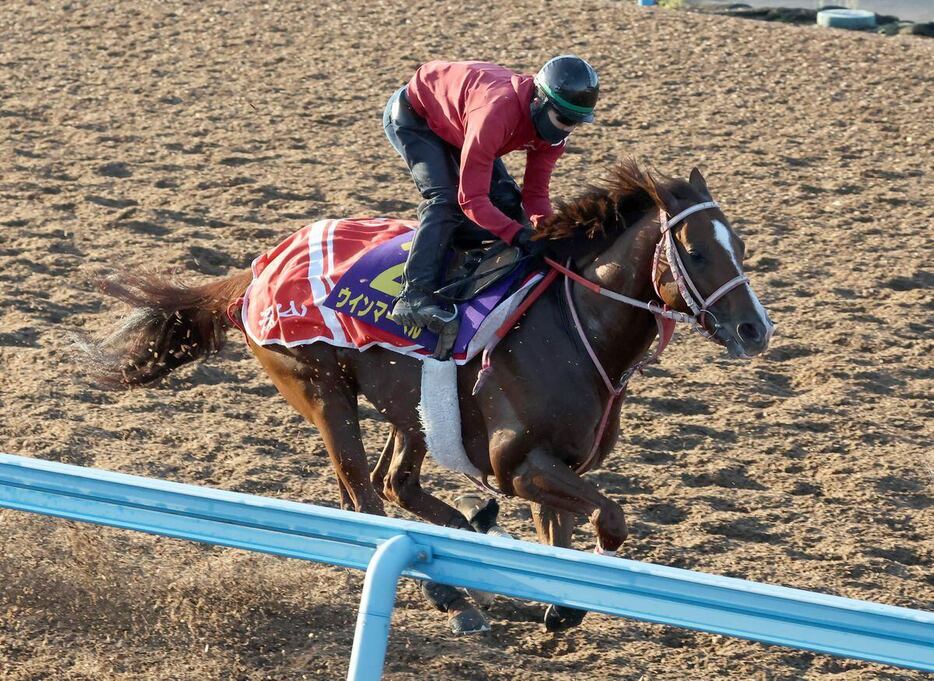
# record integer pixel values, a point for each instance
(546, 409)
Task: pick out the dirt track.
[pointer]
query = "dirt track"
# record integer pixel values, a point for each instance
(193, 137)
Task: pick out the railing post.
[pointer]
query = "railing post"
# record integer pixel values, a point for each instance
(376, 604)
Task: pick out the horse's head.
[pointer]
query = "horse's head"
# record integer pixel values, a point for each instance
(701, 270)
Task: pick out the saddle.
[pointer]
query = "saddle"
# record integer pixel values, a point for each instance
(472, 271)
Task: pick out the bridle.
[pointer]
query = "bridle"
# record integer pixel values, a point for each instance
(666, 251)
(696, 302)
(665, 317)
(666, 247)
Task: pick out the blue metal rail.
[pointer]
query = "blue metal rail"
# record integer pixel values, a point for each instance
(390, 548)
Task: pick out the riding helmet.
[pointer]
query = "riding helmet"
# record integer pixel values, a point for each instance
(570, 85)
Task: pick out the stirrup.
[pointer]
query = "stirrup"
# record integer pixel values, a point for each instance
(445, 317)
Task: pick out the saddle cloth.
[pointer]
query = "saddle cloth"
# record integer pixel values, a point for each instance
(334, 281)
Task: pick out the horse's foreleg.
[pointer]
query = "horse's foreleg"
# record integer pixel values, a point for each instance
(403, 487)
(542, 478)
(555, 528)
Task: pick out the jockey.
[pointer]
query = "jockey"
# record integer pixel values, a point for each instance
(451, 124)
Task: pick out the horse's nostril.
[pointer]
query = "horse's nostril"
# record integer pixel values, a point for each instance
(751, 333)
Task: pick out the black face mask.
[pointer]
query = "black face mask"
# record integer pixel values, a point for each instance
(547, 130)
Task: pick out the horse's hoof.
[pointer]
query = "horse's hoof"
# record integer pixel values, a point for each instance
(560, 618)
(463, 617)
(482, 598)
(480, 512)
(468, 621)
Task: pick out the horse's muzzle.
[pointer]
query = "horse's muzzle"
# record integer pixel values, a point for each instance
(747, 339)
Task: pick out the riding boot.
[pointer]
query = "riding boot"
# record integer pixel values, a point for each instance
(417, 305)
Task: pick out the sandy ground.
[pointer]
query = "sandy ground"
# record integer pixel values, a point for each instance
(192, 136)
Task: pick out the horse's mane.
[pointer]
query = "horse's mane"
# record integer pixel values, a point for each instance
(605, 211)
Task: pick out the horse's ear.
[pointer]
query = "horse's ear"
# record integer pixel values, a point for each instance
(699, 183)
(669, 202)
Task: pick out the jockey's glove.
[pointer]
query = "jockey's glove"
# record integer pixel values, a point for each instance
(527, 245)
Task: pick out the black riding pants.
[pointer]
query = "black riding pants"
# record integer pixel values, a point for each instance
(435, 168)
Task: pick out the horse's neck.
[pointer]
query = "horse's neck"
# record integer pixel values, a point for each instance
(620, 333)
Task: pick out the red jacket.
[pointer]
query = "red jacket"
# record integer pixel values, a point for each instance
(483, 110)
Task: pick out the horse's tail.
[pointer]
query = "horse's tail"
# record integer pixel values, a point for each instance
(171, 324)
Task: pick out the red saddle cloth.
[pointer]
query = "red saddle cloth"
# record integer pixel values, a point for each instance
(296, 292)
(284, 304)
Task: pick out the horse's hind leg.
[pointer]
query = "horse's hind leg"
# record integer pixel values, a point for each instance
(314, 384)
(555, 527)
(403, 485)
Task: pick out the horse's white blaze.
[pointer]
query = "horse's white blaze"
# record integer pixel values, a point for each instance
(761, 313)
(722, 234)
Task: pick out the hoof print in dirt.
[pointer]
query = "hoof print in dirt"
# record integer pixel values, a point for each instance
(110, 203)
(117, 169)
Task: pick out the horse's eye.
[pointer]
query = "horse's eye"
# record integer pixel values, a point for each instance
(696, 256)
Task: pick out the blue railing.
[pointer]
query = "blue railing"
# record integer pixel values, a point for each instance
(387, 548)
